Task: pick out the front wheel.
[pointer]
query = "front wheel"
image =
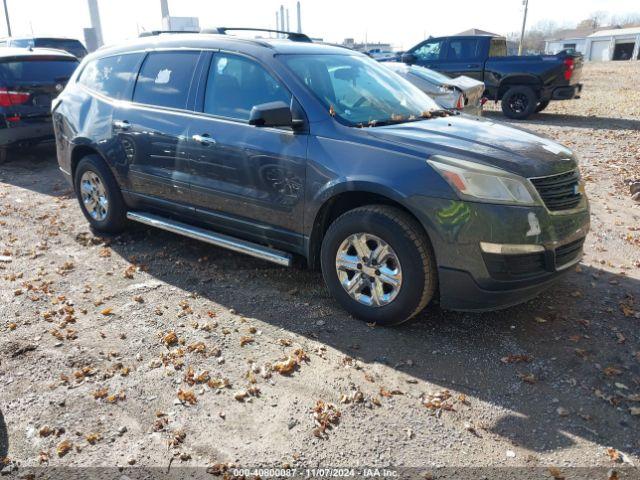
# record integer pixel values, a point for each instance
(519, 102)
(378, 264)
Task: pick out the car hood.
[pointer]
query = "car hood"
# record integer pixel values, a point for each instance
(484, 141)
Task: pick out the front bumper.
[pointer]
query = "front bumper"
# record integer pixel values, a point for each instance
(470, 279)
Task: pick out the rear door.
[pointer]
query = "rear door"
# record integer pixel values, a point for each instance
(463, 57)
(247, 180)
(28, 84)
(153, 128)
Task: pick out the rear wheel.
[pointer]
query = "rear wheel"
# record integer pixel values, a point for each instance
(519, 102)
(378, 264)
(542, 105)
(99, 195)
(3, 155)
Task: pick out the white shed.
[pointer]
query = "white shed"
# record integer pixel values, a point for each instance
(615, 44)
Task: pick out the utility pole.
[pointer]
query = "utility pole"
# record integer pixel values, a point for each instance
(299, 18)
(6, 16)
(524, 24)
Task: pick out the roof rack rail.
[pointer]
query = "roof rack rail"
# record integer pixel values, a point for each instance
(153, 33)
(293, 36)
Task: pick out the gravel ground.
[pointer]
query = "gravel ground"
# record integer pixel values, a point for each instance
(149, 349)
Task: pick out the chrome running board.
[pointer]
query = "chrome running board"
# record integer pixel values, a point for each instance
(217, 239)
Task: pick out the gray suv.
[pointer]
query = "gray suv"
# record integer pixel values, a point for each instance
(281, 148)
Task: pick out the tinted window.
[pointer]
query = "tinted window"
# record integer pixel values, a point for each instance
(165, 78)
(463, 49)
(237, 84)
(37, 70)
(498, 48)
(431, 50)
(111, 75)
(24, 42)
(74, 47)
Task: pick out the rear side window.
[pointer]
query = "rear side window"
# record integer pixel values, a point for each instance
(237, 84)
(37, 70)
(165, 78)
(463, 49)
(498, 48)
(111, 76)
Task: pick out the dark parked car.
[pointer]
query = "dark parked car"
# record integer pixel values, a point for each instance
(71, 45)
(278, 148)
(525, 84)
(29, 80)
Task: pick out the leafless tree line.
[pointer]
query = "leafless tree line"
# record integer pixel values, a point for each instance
(536, 35)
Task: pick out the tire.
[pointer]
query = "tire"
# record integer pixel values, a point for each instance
(3, 155)
(110, 217)
(408, 245)
(542, 105)
(519, 102)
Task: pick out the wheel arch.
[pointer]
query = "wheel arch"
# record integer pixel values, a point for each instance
(80, 151)
(519, 81)
(344, 197)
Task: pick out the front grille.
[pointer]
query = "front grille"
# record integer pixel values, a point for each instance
(514, 267)
(559, 192)
(569, 252)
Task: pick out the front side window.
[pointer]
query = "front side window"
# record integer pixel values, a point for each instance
(165, 78)
(237, 84)
(111, 76)
(429, 51)
(360, 91)
(463, 49)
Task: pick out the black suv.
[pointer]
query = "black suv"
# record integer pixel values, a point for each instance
(29, 80)
(283, 147)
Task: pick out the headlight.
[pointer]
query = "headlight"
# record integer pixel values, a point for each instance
(478, 182)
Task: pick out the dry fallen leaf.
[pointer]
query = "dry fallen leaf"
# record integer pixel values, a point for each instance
(187, 397)
(64, 447)
(613, 454)
(93, 438)
(517, 358)
(246, 340)
(556, 474)
(170, 339)
(106, 311)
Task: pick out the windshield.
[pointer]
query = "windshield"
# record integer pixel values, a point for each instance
(359, 91)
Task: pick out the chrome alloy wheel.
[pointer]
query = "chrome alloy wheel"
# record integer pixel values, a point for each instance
(369, 270)
(94, 196)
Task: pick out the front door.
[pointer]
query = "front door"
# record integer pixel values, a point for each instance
(247, 180)
(153, 129)
(430, 53)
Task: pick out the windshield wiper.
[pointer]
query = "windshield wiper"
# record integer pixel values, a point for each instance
(423, 116)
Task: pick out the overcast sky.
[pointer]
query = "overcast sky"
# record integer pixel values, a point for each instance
(400, 22)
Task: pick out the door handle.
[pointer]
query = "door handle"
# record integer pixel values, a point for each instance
(121, 125)
(473, 65)
(203, 139)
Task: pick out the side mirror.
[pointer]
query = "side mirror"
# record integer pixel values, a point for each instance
(408, 58)
(272, 114)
